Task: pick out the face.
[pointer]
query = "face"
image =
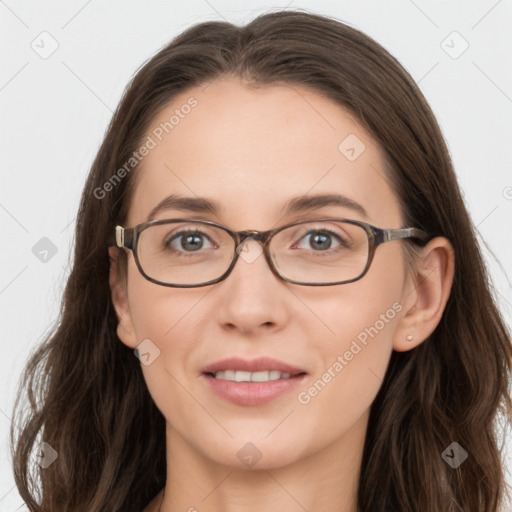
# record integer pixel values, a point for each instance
(251, 151)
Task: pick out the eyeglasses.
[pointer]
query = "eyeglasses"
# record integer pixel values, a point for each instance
(188, 253)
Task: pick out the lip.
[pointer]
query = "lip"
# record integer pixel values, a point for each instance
(252, 393)
(254, 365)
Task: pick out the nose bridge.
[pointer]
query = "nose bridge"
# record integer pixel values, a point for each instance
(260, 236)
(254, 234)
(250, 256)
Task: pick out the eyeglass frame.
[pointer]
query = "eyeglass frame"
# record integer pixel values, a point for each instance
(127, 238)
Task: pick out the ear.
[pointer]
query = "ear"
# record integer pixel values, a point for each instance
(425, 294)
(118, 288)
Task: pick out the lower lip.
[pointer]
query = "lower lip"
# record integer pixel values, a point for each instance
(252, 393)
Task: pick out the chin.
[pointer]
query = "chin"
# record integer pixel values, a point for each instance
(257, 454)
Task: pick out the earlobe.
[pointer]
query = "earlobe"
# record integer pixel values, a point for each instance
(426, 293)
(119, 294)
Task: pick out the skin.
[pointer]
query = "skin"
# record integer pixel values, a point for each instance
(251, 150)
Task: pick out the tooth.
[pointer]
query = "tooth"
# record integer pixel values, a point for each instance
(259, 376)
(241, 376)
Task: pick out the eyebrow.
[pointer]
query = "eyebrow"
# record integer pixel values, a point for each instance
(293, 205)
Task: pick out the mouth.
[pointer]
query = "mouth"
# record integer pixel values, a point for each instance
(253, 382)
(243, 376)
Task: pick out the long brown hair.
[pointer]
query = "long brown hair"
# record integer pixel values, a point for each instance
(86, 393)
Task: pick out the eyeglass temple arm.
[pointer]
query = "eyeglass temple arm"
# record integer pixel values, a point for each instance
(399, 234)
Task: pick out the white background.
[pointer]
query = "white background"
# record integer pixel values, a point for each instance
(54, 112)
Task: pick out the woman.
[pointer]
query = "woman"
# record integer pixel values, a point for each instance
(277, 300)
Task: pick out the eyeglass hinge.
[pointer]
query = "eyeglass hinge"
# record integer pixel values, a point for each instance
(120, 236)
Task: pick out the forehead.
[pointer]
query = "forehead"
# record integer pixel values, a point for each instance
(252, 149)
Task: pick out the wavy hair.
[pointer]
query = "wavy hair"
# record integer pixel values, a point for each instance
(87, 397)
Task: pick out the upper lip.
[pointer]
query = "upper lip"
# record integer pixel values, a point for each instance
(254, 365)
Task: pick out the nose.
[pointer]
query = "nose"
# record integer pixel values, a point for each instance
(248, 297)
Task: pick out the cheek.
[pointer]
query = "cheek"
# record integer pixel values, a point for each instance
(160, 324)
(167, 324)
(338, 396)
(158, 311)
(361, 318)
(169, 319)
(355, 359)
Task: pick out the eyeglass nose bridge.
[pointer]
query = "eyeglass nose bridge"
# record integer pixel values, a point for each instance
(259, 236)
(263, 237)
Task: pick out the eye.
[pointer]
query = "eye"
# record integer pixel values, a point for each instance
(322, 239)
(188, 241)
